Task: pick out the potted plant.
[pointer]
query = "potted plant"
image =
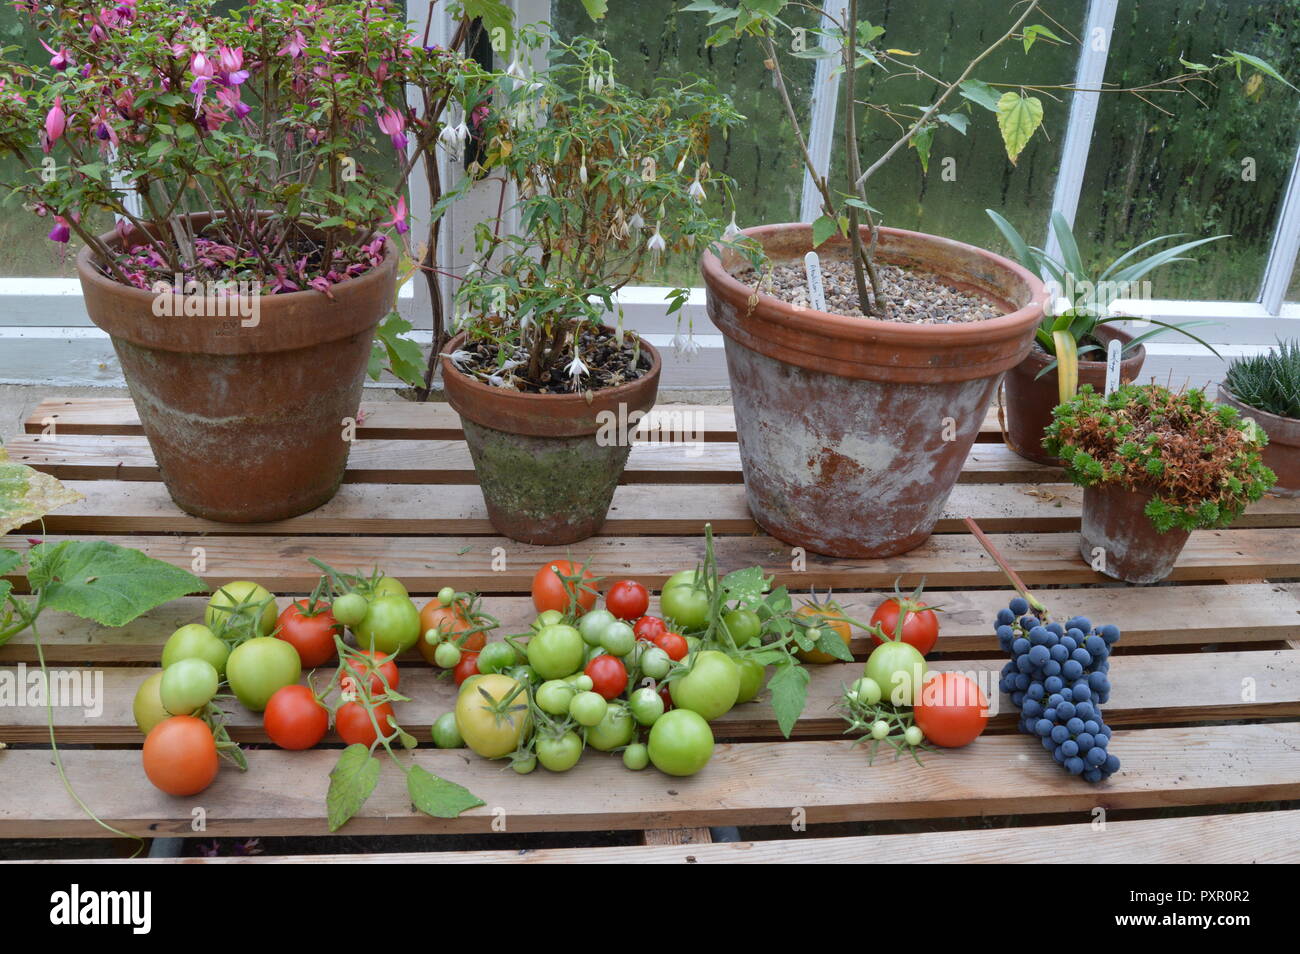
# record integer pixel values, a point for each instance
(1154, 465)
(1054, 367)
(1266, 389)
(854, 421)
(252, 160)
(610, 182)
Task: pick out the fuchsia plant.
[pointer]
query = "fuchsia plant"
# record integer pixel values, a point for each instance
(286, 123)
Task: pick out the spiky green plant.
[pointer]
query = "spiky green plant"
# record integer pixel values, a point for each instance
(1269, 381)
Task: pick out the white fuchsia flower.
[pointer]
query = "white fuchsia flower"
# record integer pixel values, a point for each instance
(696, 190)
(732, 230)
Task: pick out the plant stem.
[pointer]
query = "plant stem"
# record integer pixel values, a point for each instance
(1000, 560)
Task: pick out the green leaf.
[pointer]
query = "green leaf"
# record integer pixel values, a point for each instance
(596, 9)
(958, 121)
(789, 689)
(921, 141)
(438, 797)
(747, 585)
(494, 13)
(831, 644)
(1018, 118)
(98, 580)
(823, 229)
(1262, 65)
(405, 359)
(9, 559)
(351, 782)
(1019, 247)
(1034, 31)
(27, 494)
(980, 93)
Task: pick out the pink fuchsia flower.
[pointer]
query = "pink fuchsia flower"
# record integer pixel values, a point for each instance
(232, 71)
(203, 72)
(294, 47)
(398, 221)
(228, 96)
(106, 134)
(118, 16)
(479, 114)
(59, 58)
(61, 232)
(322, 285)
(56, 122)
(394, 124)
(98, 34)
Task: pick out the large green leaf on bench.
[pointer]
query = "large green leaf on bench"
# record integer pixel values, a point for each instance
(27, 494)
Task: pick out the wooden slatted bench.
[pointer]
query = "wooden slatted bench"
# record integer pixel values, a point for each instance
(1206, 699)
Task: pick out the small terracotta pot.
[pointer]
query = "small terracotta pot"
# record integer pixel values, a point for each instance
(246, 420)
(1282, 452)
(852, 430)
(548, 463)
(1118, 539)
(1029, 399)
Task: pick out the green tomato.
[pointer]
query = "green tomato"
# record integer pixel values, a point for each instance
(525, 673)
(556, 651)
(898, 668)
(617, 638)
(684, 602)
(350, 608)
(879, 729)
(867, 690)
(258, 667)
(692, 643)
(188, 685)
(147, 705)
(751, 679)
(681, 742)
(242, 605)
(392, 624)
(913, 735)
(655, 663)
(614, 731)
(447, 595)
(447, 655)
(554, 695)
(559, 753)
(524, 766)
(593, 624)
(548, 618)
(196, 641)
(711, 687)
(588, 708)
(591, 653)
(743, 625)
(390, 586)
(445, 734)
(646, 705)
(497, 656)
(636, 757)
(580, 681)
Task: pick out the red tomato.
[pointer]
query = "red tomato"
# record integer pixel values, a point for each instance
(371, 665)
(627, 599)
(666, 695)
(674, 644)
(294, 719)
(468, 666)
(353, 724)
(951, 710)
(451, 620)
(648, 627)
(549, 592)
(180, 756)
(310, 630)
(920, 624)
(608, 675)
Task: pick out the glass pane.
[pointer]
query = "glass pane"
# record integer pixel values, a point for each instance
(653, 38)
(970, 173)
(1204, 170)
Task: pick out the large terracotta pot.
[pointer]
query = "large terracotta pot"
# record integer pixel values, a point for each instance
(1030, 399)
(246, 421)
(852, 430)
(1118, 539)
(1282, 452)
(547, 463)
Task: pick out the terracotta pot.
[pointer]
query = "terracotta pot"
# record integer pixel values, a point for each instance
(1029, 399)
(548, 463)
(852, 431)
(1282, 452)
(246, 422)
(1118, 539)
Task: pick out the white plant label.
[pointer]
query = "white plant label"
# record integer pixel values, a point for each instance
(1112, 365)
(816, 292)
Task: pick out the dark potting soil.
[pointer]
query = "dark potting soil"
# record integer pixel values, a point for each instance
(911, 295)
(609, 364)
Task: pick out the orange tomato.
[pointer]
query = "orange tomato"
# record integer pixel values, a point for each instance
(452, 621)
(549, 591)
(827, 617)
(180, 756)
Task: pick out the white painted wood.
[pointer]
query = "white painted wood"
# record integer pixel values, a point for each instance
(1285, 248)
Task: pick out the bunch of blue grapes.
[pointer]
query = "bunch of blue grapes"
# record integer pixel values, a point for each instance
(1058, 676)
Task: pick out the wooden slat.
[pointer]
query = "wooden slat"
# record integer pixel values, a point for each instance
(1148, 690)
(1241, 838)
(744, 784)
(426, 563)
(391, 420)
(88, 457)
(1223, 614)
(124, 506)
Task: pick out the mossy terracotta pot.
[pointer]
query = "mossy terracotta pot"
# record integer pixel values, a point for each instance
(853, 430)
(1029, 399)
(1118, 539)
(1282, 452)
(547, 463)
(246, 413)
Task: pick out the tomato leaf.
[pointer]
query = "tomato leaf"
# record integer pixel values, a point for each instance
(830, 643)
(438, 797)
(789, 689)
(102, 581)
(747, 585)
(9, 559)
(351, 782)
